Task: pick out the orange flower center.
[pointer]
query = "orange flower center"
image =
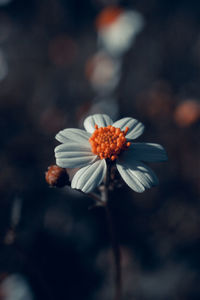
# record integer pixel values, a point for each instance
(108, 142)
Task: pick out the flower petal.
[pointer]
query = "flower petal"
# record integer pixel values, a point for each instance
(145, 152)
(89, 177)
(74, 155)
(72, 134)
(136, 128)
(101, 120)
(137, 176)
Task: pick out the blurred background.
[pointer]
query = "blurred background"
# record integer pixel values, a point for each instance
(61, 60)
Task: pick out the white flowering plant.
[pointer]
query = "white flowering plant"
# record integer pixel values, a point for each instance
(92, 155)
(103, 143)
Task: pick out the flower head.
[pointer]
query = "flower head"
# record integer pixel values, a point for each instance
(108, 142)
(105, 141)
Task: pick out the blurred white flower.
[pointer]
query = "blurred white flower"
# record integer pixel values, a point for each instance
(103, 72)
(103, 141)
(117, 29)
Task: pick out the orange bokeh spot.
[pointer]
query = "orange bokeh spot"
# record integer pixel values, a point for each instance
(108, 142)
(108, 16)
(187, 113)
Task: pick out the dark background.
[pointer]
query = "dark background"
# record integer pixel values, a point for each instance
(58, 245)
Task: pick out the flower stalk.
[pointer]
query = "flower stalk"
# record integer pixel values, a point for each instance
(116, 254)
(103, 201)
(113, 236)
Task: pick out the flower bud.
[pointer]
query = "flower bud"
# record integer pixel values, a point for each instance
(56, 176)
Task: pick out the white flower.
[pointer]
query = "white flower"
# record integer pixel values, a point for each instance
(105, 139)
(103, 72)
(118, 36)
